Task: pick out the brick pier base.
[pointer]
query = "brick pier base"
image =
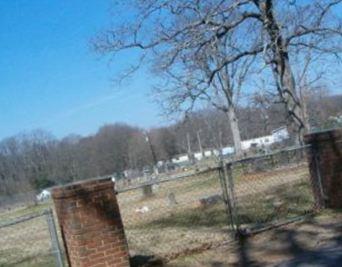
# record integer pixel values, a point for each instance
(325, 163)
(91, 224)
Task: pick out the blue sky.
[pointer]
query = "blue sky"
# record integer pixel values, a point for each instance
(49, 77)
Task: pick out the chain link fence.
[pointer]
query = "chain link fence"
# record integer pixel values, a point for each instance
(270, 189)
(17, 201)
(182, 214)
(176, 216)
(29, 240)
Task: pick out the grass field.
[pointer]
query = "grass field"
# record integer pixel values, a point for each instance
(26, 243)
(170, 229)
(273, 195)
(10, 214)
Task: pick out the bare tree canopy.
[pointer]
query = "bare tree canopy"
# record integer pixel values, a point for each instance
(178, 37)
(37, 160)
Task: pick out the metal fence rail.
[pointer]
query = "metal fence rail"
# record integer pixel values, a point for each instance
(18, 200)
(30, 240)
(198, 210)
(270, 189)
(175, 216)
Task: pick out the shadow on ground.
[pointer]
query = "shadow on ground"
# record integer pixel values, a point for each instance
(314, 242)
(144, 260)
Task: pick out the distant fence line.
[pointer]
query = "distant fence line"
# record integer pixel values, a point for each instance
(30, 239)
(122, 186)
(194, 210)
(204, 208)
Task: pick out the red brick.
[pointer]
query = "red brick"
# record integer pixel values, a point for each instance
(90, 220)
(325, 162)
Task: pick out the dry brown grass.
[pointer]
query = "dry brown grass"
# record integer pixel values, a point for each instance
(26, 244)
(167, 230)
(170, 231)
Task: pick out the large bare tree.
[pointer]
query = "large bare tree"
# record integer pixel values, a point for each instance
(169, 33)
(187, 84)
(296, 25)
(188, 54)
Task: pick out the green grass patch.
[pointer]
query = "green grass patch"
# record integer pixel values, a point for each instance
(9, 215)
(281, 202)
(214, 216)
(32, 261)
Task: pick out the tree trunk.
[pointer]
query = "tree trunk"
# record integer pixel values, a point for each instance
(265, 119)
(234, 126)
(304, 98)
(200, 144)
(283, 72)
(291, 100)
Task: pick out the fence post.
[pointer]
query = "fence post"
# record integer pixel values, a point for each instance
(56, 249)
(224, 186)
(322, 196)
(272, 160)
(231, 195)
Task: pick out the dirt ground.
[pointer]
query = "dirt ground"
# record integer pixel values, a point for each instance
(26, 244)
(172, 230)
(301, 241)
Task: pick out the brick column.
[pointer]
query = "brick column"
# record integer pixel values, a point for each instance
(91, 225)
(325, 163)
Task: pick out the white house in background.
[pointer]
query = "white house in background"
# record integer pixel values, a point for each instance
(277, 135)
(44, 195)
(180, 159)
(228, 150)
(257, 142)
(207, 153)
(198, 155)
(280, 134)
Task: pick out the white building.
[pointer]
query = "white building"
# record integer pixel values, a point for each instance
(280, 134)
(44, 195)
(262, 141)
(277, 135)
(180, 159)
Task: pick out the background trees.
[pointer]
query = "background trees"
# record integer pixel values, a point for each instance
(37, 160)
(206, 54)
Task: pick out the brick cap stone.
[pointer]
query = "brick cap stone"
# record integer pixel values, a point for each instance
(81, 187)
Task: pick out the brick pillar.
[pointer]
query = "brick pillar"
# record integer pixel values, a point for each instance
(325, 163)
(91, 226)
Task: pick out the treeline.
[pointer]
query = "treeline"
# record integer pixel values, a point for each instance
(35, 160)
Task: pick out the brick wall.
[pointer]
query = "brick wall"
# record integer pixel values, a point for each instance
(91, 224)
(325, 163)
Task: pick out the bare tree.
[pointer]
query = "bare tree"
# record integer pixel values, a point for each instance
(139, 152)
(263, 102)
(164, 142)
(36, 160)
(183, 89)
(173, 32)
(193, 66)
(302, 27)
